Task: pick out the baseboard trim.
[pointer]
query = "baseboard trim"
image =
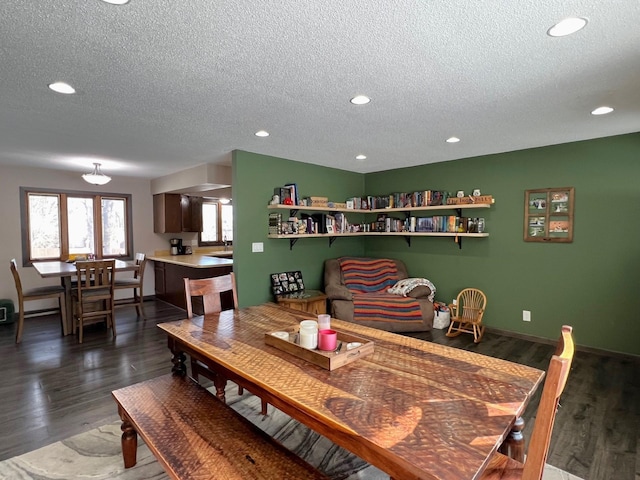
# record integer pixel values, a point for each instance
(547, 341)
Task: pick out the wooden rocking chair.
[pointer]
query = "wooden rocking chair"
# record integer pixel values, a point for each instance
(466, 314)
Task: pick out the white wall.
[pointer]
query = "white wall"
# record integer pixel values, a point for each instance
(12, 178)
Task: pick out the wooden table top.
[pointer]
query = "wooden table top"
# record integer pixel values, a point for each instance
(414, 409)
(65, 269)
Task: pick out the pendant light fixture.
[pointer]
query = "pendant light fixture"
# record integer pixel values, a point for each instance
(96, 177)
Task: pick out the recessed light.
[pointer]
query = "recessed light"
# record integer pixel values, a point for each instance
(262, 133)
(360, 100)
(567, 27)
(602, 111)
(361, 157)
(61, 87)
(453, 140)
(116, 2)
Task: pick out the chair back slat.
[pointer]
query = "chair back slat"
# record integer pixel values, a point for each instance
(141, 262)
(555, 382)
(210, 289)
(93, 275)
(471, 305)
(16, 277)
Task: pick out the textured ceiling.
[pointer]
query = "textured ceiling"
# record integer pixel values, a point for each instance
(163, 86)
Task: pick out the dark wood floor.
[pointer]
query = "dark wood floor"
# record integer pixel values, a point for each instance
(53, 388)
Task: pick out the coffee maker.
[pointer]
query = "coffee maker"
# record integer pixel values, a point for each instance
(176, 246)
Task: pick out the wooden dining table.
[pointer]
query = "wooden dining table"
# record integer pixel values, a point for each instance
(65, 271)
(412, 408)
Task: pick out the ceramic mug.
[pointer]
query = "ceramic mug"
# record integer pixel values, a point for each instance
(327, 340)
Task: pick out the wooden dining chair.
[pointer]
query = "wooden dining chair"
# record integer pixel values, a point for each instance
(501, 467)
(211, 290)
(93, 298)
(466, 314)
(135, 283)
(38, 293)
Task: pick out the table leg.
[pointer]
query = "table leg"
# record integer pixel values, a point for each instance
(68, 304)
(221, 384)
(513, 445)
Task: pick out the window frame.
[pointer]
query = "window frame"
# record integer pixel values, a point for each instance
(219, 241)
(64, 225)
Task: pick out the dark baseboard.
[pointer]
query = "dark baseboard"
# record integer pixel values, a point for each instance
(579, 348)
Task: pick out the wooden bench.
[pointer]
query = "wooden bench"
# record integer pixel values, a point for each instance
(195, 435)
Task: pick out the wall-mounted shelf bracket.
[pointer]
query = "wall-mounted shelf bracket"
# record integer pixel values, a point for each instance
(408, 240)
(331, 240)
(292, 242)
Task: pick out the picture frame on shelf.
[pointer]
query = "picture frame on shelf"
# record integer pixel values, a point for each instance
(287, 282)
(548, 215)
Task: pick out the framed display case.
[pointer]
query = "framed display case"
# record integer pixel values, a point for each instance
(548, 215)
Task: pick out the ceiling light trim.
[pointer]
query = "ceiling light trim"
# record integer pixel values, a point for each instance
(96, 177)
(568, 26)
(62, 87)
(603, 110)
(360, 100)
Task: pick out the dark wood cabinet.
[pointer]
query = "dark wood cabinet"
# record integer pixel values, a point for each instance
(159, 272)
(176, 213)
(170, 283)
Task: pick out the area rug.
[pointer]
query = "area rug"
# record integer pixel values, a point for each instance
(96, 454)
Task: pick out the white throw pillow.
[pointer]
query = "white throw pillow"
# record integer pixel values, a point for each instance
(403, 287)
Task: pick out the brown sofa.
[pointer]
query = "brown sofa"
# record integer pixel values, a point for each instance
(341, 298)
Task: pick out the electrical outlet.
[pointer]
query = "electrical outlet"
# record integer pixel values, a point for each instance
(526, 316)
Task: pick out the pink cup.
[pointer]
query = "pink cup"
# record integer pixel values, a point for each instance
(327, 340)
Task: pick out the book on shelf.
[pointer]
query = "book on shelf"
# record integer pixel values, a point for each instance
(275, 223)
(295, 196)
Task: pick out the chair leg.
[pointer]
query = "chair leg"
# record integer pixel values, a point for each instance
(140, 303)
(264, 407)
(454, 331)
(77, 323)
(20, 324)
(478, 332)
(112, 317)
(63, 315)
(240, 390)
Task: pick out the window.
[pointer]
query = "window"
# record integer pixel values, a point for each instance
(217, 223)
(57, 224)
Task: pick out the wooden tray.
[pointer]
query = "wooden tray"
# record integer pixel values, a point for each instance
(328, 360)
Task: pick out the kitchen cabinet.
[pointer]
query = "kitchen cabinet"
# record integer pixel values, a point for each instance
(170, 283)
(176, 213)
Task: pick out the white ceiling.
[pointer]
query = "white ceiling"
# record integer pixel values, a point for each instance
(167, 85)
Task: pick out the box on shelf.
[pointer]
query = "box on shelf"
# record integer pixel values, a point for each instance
(482, 199)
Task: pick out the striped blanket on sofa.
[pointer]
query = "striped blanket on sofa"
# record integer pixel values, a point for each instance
(368, 279)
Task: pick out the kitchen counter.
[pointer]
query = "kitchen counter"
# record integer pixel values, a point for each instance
(195, 260)
(171, 270)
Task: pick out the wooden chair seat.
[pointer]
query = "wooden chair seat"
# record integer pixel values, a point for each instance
(36, 293)
(134, 283)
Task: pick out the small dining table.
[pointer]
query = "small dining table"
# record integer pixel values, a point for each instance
(65, 271)
(414, 409)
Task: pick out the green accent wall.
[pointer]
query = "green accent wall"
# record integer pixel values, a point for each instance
(254, 178)
(590, 284)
